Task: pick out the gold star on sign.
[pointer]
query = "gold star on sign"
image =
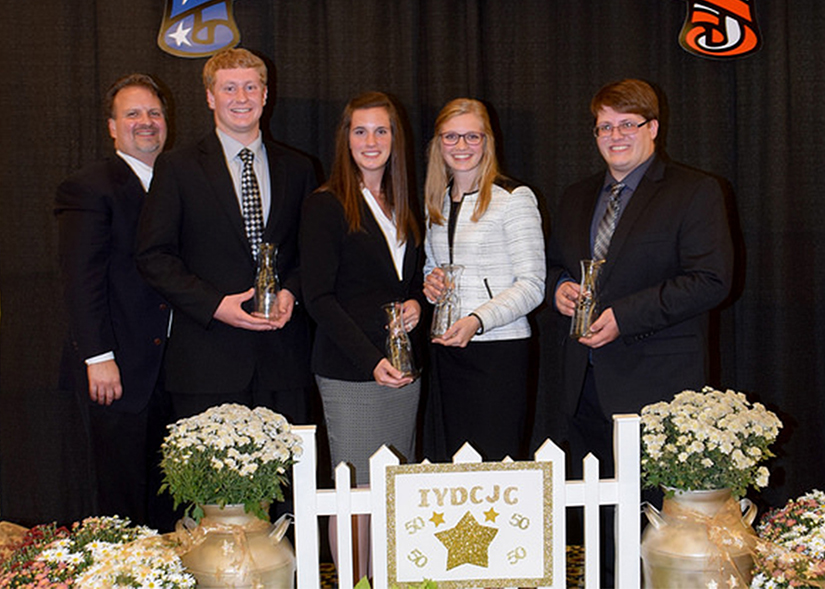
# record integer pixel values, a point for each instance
(467, 543)
(437, 518)
(490, 515)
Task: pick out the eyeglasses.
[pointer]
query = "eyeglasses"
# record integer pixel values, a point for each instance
(471, 138)
(625, 128)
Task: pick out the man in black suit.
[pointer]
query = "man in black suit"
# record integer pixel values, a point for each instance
(117, 322)
(668, 263)
(194, 248)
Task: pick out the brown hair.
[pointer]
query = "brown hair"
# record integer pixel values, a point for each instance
(439, 174)
(142, 80)
(345, 177)
(627, 96)
(230, 59)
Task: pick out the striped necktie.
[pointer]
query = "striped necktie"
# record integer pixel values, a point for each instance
(607, 225)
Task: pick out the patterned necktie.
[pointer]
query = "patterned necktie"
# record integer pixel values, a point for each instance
(253, 217)
(607, 225)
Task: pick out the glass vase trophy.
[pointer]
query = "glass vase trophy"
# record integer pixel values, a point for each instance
(587, 305)
(448, 306)
(399, 348)
(267, 284)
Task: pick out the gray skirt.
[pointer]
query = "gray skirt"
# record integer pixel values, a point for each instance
(361, 416)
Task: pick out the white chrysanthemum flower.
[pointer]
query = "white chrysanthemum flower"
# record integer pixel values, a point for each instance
(707, 434)
(762, 476)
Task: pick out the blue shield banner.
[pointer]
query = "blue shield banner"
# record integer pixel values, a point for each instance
(197, 28)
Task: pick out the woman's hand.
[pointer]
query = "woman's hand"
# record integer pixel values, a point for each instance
(459, 334)
(411, 314)
(434, 285)
(388, 375)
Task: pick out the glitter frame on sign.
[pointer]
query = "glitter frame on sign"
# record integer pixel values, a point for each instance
(470, 523)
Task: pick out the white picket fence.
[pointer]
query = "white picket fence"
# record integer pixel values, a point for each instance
(623, 491)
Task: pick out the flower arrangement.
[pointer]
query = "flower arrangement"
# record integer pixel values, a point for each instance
(707, 440)
(95, 553)
(228, 454)
(791, 550)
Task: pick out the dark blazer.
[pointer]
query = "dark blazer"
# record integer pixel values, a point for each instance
(670, 262)
(192, 247)
(348, 277)
(109, 304)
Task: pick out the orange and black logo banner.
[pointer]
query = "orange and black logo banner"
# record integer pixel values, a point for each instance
(721, 29)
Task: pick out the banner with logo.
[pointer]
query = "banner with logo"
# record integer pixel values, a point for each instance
(197, 28)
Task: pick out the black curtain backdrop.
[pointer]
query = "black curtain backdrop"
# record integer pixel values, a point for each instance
(755, 122)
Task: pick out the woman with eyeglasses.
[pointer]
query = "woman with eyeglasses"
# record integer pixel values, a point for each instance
(491, 226)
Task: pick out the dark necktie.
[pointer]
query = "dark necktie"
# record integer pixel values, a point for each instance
(607, 225)
(253, 217)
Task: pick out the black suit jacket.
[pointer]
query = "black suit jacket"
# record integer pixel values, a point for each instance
(192, 247)
(670, 262)
(110, 306)
(348, 277)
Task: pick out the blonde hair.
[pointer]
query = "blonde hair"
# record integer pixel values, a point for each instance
(230, 59)
(439, 174)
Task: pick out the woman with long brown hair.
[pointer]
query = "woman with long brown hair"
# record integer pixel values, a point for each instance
(361, 249)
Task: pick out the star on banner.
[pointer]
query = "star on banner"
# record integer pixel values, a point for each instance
(467, 543)
(437, 518)
(490, 515)
(181, 35)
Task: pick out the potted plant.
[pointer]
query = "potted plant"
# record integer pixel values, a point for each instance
(791, 547)
(228, 455)
(227, 465)
(99, 552)
(707, 440)
(704, 449)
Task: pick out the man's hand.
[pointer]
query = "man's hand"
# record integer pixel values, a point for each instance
(603, 331)
(104, 382)
(566, 296)
(389, 376)
(231, 313)
(286, 303)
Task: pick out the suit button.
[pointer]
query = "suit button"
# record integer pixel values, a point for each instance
(163, 306)
(157, 341)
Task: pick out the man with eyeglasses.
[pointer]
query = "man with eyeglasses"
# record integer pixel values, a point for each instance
(663, 233)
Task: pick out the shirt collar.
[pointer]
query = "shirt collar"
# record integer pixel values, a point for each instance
(141, 169)
(232, 147)
(632, 180)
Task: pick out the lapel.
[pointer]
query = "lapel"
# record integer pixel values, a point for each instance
(277, 186)
(379, 242)
(127, 182)
(645, 192)
(410, 262)
(464, 227)
(581, 224)
(219, 181)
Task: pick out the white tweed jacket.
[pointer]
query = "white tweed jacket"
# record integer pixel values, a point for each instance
(503, 259)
